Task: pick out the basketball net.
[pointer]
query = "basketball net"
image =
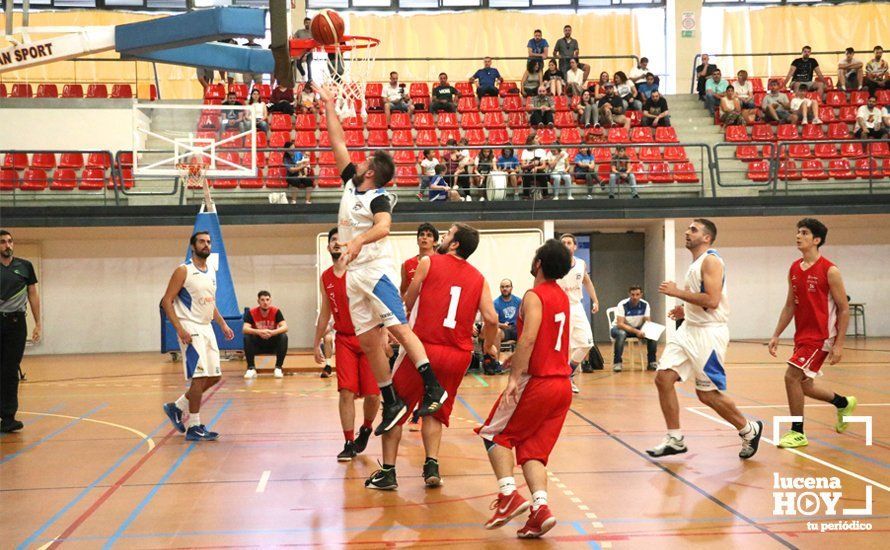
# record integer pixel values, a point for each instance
(194, 174)
(349, 64)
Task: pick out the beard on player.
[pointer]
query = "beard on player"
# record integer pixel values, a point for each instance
(202, 253)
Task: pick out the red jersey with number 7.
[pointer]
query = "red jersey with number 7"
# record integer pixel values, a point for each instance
(448, 302)
(550, 356)
(815, 313)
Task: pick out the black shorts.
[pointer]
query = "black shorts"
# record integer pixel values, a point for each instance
(509, 334)
(300, 182)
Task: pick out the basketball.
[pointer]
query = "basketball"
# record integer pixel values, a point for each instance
(327, 27)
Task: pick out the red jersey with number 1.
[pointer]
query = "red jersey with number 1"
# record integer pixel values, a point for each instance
(448, 302)
(815, 313)
(550, 356)
(335, 292)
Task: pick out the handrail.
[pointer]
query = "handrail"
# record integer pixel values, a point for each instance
(7, 77)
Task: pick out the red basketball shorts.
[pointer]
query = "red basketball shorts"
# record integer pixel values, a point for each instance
(449, 365)
(353, 369)
(532, 424)
(809, 358)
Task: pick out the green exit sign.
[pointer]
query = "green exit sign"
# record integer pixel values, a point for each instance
(687, 34)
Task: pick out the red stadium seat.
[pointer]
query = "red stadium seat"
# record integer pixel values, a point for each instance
(125, 158)
(402, 138)
(747, 153)
(406, 176)
(489, 104)
(498, 136)
(373, 90)
(883, 97)
(356, 138)
(399, 121)
(72, 91)
(618, 135)
(9, 179)
(475, 136)
(281, 122)
(223, 183)
(126, 179)
(239, 88)
(261, 140)
(650, 154)
(302, 140)
(252, 183)
(756, 84)
(463, 87)
(684, 172)
(64, 179)
(736, 134)
(840, 169)
(852, 150)
(565, 119)
(636, 118)
(422, 121)
(448, 134)
(470, 120)
(419, 90)
(826, 151)
(547, 136)
(838, 130)
(760, 132)
(44, 161)
(666, 135)
(328, 177)
(494, 120)
(100, 91)
(520, 135)
(22, 90)
(92, 179)
(276, 178)
(426, 138)
(787, 132)
(788, 171)
(826, 114)
(125, 91)
(758, 170)
(3, 92)
(402, 157)
(858, 97)
(513, 103)
(508, 88)
(34, 179)
(229, 156)
(209, 121)
(561, 103)
(17, 161)
(517, 119)
(276, 158)
(265, 92)
(326, 158)
(303, 122)
(71, 160)
(813, 170)
(812, 132)
(879, 149)
(847, 114)
(467, 104)
(446, 120)
(570, 136)
(868, 168)
(260, 159)
(660, 172)
(378, 138)
(47, 90)
(228, 140)
(358, 157)
(642, 135)
(675, 154)
(377, 121)
(799, 151)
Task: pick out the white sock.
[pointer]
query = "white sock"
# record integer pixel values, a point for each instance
(539, 498)
(182, 403)
(194, 419)
(676, 434)
(749, 431)
(507, 485)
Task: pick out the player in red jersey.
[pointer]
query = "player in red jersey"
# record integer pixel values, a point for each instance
(818, 304)
(354, 376)
(444, 298)
(427, 239)
(529, 414)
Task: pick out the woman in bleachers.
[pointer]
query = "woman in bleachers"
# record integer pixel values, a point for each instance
(731, 109)
(260, 111)
(553, 79)
(588, 114)
(600, 91)
(509, 164)
(532, 78)
(559, 164)
(282, 100)
(628, 92)
(485, 163)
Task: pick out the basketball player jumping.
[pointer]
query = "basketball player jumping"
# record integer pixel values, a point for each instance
(581, 339)
(354, 378)
(444, 297)
(364, 223)
(427, 239)
(818, 304)
(529, 414)
(698, 348)
(190, 305)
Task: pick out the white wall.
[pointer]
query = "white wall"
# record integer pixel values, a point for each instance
(759, 251)
(80, 129)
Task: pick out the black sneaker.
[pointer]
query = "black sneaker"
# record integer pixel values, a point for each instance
(383, 480)
(348, 452)
(585, 366)
(491, 366)
(433, 398)
(364, 434)
(11, 426)
(326, 372)
(392, 413)
(431, 474)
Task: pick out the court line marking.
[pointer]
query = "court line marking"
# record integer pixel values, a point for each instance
(799, 453)
(56, 408)
(481, 380)
(46, 438)
(264, 480)
(148, 441)
(157, 487)
(473, 412)
(785, 405)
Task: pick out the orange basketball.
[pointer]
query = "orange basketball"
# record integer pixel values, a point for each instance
(327, 27)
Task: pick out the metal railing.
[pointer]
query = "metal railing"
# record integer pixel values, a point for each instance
(12, 78)
(16, 194)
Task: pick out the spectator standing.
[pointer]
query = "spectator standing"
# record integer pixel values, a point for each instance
(304, 33)
(534, 169)
(775, 105)
(575, 79)
(553, 79)
(560, 166)
(532, 78)
(538, 47)
(869, 120)
(611, 108)
(803, 108)
(444, 96)
(265, 332)
(621, 173)
(803, 71)
(731, 109)
(395, 98)
(507, 305)
(632, 313)
(647, 86)
(541, 108)
(205, 78)
(282, 100)
(715, 89)
(428, 163)
(566, 49)
(252, 79)
(234, 119)
(744, 90)
(487, 80)
(655, 111)
(638, 74)
(297, 172)
(585, 169)
(588, 114)
(627, 91)
(509, 164)
(439, 190)
(877, 74)
(259, 111)
(703, 73)
(850, 72)
(18, 288)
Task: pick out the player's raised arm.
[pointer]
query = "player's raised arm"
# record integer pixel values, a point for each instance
(177, 280)
(489, 321)
(335, 129)
(785, 317)
(423, 268)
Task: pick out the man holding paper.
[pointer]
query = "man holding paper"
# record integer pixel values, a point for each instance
(633, 313)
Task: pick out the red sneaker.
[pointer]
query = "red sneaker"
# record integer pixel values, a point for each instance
(539, 522)
(506, 508)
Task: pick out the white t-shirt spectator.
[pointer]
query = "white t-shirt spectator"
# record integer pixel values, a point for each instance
(530, 154)
(258, 109)
(637, 75)
(575, 76)
(559, 161)
(428, 166)
(393, 93)
(871, 117)
(796, 102)
(744, 91)
(636, 315)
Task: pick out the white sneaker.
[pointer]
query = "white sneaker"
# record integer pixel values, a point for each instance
(817, 121)
(468, 199)
(481, 199)
(670, 446)
(574, 387)
(556, 198)
(250, 373)
(279, 373)
(570, 198)
(589, 197)
(617, 368)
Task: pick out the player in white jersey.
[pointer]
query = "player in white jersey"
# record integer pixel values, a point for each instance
(190, 304)
(698, 348)
(364, 223)
(580, 337)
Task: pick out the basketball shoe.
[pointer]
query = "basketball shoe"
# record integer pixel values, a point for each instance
(506, 507)
(431, 473)
(392, 413)
(749, 446)
(383, 480)
(841, 425)
(175, 415)
(792, 440)
(539, 522)
(348, 452)
(433, 397)
(670, 446)
(200, 433)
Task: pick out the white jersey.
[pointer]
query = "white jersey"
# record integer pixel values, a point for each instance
(356, 218)
(699, 316)
(573, 282)
(197, 297)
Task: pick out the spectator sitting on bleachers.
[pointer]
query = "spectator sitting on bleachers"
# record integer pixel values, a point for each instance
(611, 108)
(487, 80)
(877, 76)
(451, 159)
(509, 164)
(282, 100)
(532, 79)
(638, 74)
(803, 71)
(655, 111)
(588, 114)
(645, 88)
(534, 169)
(259, 110)
(731, 109)
(395, 98)
(560, 167)
(298, 172)
(600, 91)
(575, 79)
(234, 118)
(621, 173)
(715, 89)
(553, 79)
(849, 72)
(439, 190)
(428, 168)
(566, 49)
(744, 90)
(306, 103)
(627, 91)
(869, 120)
(804, 109)
(704, 72)
(444, 96)
(538, 47)
(541, 108)
(775, 105)
(485, 163)
(585, 168)
(465, 173)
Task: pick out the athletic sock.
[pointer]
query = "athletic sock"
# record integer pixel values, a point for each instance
(367, 423)
(327, 363)
(182, 403)
(387, 467)
(574, 367)
(429, 458)
(387, 391)
(749, 431)
(797, 427)
(539, 498)
(194, 419)
(507, 485)
(426, 372)
(839, 401)
(349, 435)
(676, 434)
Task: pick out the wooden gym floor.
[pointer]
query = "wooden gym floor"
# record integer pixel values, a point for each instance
(98, 464)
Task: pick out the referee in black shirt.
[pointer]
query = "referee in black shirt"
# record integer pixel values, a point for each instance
(18, 287)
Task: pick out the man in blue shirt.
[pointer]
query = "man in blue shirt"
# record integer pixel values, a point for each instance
(632, 313)
(488, 80)
(538, 48)
(507, 307)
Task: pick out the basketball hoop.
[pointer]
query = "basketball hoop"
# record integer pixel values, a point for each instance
(194, 174)
(347, 74)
